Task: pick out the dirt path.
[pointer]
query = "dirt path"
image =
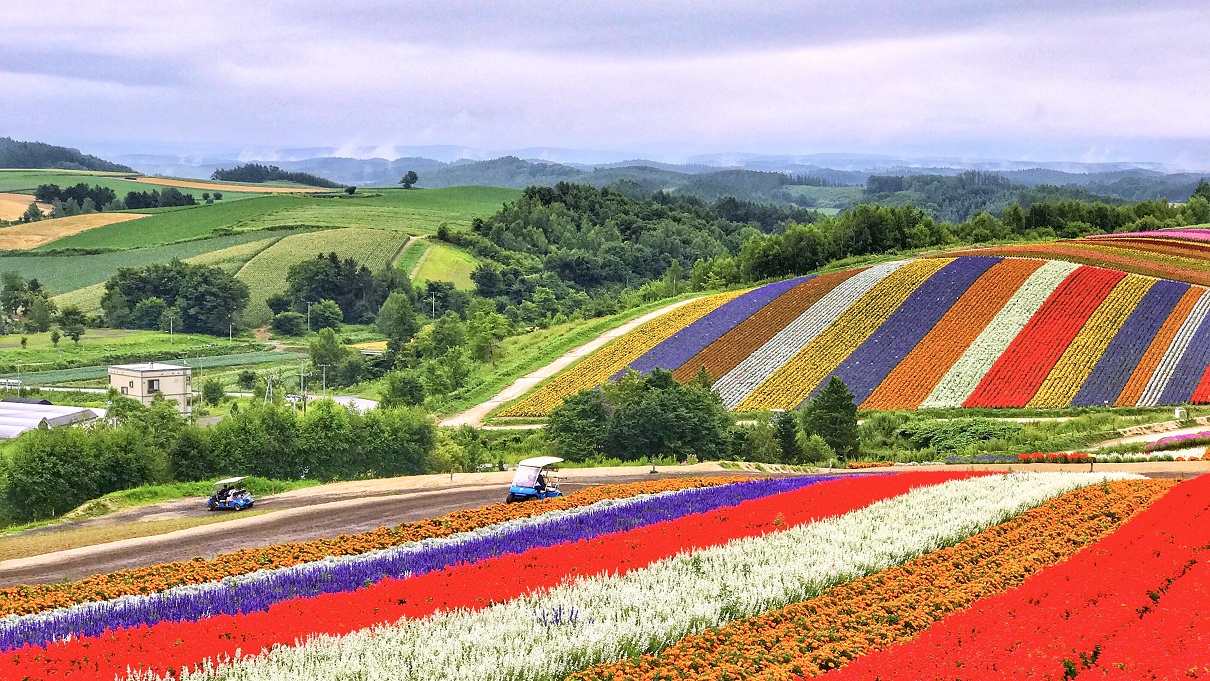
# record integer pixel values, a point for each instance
(411, 239)
(300, 515)
(475, 415)
(1152, 437)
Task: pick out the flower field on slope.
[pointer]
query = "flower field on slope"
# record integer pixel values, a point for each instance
(768, 579)
(975, 331)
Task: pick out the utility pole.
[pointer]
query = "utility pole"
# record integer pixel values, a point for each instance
(324, 368)
(302, 383)
(230, 332)
(434, 306)
(169, 330)
(308, 317)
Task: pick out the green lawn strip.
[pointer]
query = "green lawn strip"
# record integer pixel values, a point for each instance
(21, 181)
(442, 262)
(265, 274)
(64, 272)
(107, 346)
(59, 376)
(411, 256)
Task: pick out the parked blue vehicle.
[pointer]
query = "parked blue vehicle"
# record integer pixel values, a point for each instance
(533, 482)
(227, 495)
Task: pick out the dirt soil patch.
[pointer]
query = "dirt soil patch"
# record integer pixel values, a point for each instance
(34, 234)
(13, 206)
(218, 186)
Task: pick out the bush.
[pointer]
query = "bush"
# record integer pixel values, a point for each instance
(212, 391)
(402, 390)
(289, 324)
(326, 314)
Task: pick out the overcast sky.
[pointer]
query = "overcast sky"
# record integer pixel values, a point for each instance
(1071, 80)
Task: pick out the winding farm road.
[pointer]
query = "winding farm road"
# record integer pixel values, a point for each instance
(475, 415)
(301, 515)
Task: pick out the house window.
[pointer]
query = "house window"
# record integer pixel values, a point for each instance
(125, 390)
(153, 385)
(132, 384)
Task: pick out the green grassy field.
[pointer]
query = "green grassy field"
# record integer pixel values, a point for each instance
(266, 273)
(410, 256)
(230, 259)
(829, 200)
(63, 273)
(179, 224)
(413, 212)
(25, 181)
(442, 262)
(90, 373)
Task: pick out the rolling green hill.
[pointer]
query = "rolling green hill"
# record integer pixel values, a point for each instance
(442, 262)
(25, 181)
(265, 274)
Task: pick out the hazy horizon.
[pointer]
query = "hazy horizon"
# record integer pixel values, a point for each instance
(1027, 81)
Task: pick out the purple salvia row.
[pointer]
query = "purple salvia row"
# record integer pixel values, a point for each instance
(684, 344)
(868, 365)
(1190, 369)
(1126, 350)
(230, 598)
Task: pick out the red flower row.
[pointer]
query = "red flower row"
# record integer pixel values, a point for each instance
(1054, 457)
(1124, 604)
(172, 645)
(1019, 372)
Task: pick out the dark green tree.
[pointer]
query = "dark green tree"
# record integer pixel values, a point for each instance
(832, 415)
(326, 314)
(397, 318)
(73, 322)
(191, 457)
(785, 431)
(212, 391)
(577, 428)
(402, 390)
(409, 178)
(289, 324)
(1202, 190)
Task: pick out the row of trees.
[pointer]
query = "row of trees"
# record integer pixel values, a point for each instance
(652, 416)
(257, 173)
(195, 298)
(52, 471)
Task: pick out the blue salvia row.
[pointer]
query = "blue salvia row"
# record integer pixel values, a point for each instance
(259, 591)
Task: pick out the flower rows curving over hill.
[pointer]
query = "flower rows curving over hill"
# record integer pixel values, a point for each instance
(972, 331)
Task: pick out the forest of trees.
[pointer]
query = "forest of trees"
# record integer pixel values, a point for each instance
(194, 298)
(14, 154)
(257, 173)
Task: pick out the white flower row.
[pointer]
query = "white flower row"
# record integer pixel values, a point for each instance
(1176, 350)
(98, 609)
(1173, 454)
(607, 618)
(962, 378)
(738, 383)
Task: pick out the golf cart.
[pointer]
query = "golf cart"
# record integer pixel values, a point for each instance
(228, 495)
(532, 482)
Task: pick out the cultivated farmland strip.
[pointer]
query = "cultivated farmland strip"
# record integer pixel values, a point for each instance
(918, 374)
(1156, 350)
(964, 376)
(794, 381)
(870, 363)
(1172, 356)
(1126, 349)
(1078, 360)
(736, 384)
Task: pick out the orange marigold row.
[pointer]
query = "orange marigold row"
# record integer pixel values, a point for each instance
(27, 599)
(873, 612)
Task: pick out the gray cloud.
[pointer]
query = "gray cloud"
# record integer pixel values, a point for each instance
(1102, 80)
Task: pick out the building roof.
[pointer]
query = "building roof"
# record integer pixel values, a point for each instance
(148, 366)
(26, 400)
(18, 417)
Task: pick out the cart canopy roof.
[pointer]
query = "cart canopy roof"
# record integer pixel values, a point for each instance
(230, 481)
(539, 462)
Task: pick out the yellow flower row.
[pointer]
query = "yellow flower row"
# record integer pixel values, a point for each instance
(607, 361)
(793, 382)
(1089, 345)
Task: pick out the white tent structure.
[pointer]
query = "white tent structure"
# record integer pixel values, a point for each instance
(18, 417)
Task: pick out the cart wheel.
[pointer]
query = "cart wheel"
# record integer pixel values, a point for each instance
(511, 498)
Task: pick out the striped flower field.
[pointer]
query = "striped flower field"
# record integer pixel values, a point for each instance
(967, 331)
(863, 576)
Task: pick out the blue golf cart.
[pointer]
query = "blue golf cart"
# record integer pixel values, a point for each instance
(532, 481)
(228, 495)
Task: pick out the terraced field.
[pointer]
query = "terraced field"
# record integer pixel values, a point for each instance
(265, 274)
(968, 331)
(442, 262)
